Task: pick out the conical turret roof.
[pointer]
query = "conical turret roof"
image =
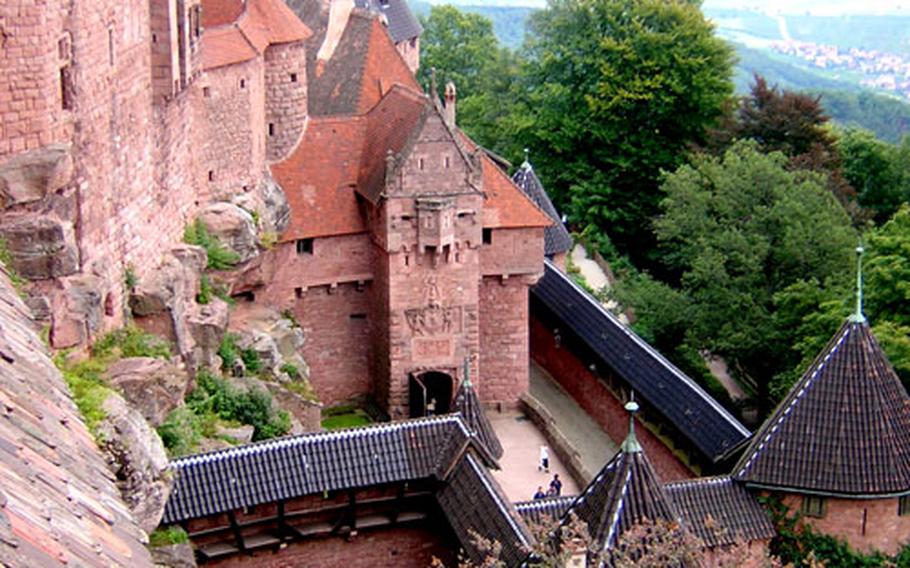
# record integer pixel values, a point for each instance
(467, 403)
(844, 428)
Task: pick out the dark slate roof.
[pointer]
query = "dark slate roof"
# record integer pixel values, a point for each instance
(474, 504)
(735, 515)
(402, 24)
(469, 406)
(59, 501)
(289, 467)
(545, 511)
(656, 381)
(623, 494)
(843, 429)
(556, 237)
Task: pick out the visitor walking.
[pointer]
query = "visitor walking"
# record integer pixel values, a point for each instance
(540, 494)
(556, 485)
(544, 464)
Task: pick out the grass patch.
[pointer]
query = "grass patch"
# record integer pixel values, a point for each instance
(87, 387)
(219, 257)
(166, 536)
(6, 259)
(344, 416)
(131, 341)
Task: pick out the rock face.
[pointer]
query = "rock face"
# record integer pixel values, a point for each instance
(136, 456)
(269, 202)
(40, 246)
(174, 556)
(207, 325)
(234, 227)
(31, 176)
(78, 311)
(154, 387)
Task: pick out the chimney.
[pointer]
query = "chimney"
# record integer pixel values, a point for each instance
(450, 97)
(339, 13)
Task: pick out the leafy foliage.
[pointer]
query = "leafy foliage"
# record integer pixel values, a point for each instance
(87, 387)
(620, 89)
(252, 406)
(166, 536)
(6, 259)
(228, 350)
(879, 171)
(130, 341)
(219, 257)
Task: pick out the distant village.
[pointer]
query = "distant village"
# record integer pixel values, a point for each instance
(882, 70)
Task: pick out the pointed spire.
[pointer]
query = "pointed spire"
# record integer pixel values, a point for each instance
(630, 445)
(467, 372)
(526, 165)
(858, 316)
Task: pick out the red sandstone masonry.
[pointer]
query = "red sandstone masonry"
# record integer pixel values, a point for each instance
(286, 100)
(599, 403)
(504, 342)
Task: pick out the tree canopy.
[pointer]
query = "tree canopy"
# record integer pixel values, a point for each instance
(620, 89)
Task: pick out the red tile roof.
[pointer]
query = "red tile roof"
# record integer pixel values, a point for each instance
(263, 23)
(319, 179)
(383, 68)
(220, 12)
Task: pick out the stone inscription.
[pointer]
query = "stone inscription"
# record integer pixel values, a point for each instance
(426, 348)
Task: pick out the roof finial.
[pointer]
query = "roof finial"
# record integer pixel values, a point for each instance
(858, 316)
(630, 445)
(527, 164)
(467, 372)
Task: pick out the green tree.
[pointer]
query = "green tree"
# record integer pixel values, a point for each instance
(462, 48)
(741, 229)
(877, 170)
(620, 89)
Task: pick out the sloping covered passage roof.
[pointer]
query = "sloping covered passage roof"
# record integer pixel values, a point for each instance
(843, 429)
(666, 389)
(59, 504)
(285, 468)
(402, 24)
(720, 511)
(467, 403)
(556, 236)
(475, 506)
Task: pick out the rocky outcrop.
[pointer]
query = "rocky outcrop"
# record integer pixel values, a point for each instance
(154, 387)
(40, 246)
(137, 458)
(31, 176)
(174, 556)
(77, 311)
(269, 201)
(234, 228)
(207, 325)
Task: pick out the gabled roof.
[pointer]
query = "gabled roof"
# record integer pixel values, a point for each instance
(545, 511)
(656, 381)
(239, 34)
(556, 237)
(844, 428)
(467, 403)
(720, 511)
(474, 504)
(59, 503)
(362, 69)
(284, 468)
(402, 25)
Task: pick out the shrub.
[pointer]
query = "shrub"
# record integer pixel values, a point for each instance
(228, 350)
(291, 370)
(252, 407)
(131, 341)
(88, 389)
(251, 360)
(219, 257)
(206, 291)
(166, 536)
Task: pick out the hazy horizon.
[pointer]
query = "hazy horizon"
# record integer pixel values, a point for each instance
(814, 7)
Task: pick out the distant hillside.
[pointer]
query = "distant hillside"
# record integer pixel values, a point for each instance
(508, 22)
(888, 118)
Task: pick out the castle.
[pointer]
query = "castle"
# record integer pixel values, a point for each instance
(424, 278)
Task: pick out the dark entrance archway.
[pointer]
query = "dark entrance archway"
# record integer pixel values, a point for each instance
(429, 389)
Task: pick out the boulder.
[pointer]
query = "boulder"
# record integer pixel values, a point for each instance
(207, 325)
(266, 350)
(154, 387)
(31, 176)
(242, 434)
(40, 247)
(234, 227)
(174, 556)
(136, 456)
(175, 280)
(77, 311)
(275, 213)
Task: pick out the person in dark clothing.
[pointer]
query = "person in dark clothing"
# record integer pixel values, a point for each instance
(540, 494)
(556, 485)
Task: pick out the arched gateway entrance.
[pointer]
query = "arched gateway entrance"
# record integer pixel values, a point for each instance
(429, 390)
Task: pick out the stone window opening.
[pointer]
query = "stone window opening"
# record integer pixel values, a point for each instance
(407, 260)
(420, 164)
(446, 162)
(903, 506)
(243, 83)
(293, 77)
(154, 38)
(64, 48)
(211, 175)
(355, 317)
(271, 129)
(109, 304)
(206, 92)
(66, 87)
(487, 235)
(814, 506)
(110, 45)
(305, 246)
(298, 292)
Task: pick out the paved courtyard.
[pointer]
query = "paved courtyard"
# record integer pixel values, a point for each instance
(521, 441)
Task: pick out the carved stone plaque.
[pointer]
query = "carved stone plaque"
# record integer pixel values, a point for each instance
(434, 320)
(427, 348)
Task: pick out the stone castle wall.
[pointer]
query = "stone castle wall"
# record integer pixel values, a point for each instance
(286, 98)
(504, 342)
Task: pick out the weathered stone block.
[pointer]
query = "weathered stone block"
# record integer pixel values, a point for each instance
(31, 176)
(41, 247)
(207, 324)
(154, 387)
(77, 311)
(234, 227)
